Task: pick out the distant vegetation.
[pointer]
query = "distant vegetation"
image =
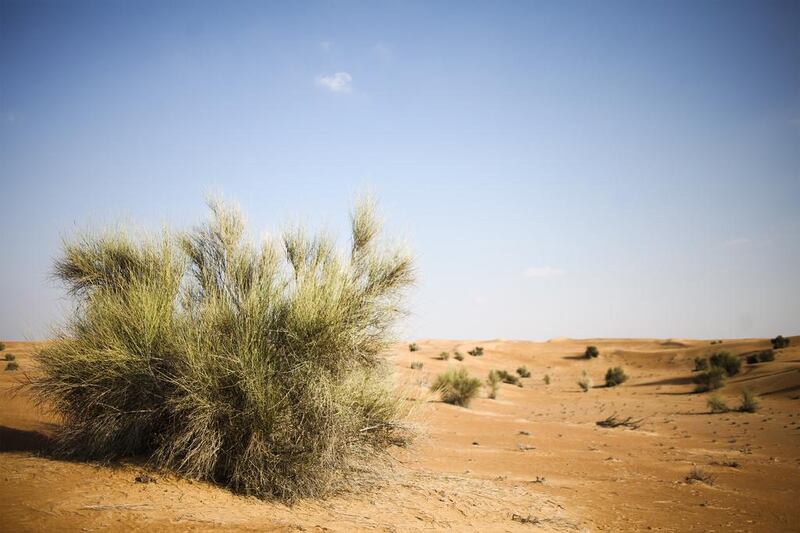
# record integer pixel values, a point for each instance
(458, 356)
(717, 405)
(2, 346)
(416, 365)
(700, 363)
(711, 379)
(698, 475)
(780, 342)
(523, 372)
(444, 356)
(546, 379)
(762, 356)
(413, 347)
(456, 386)
(615, 376)
(591, 352)
(727, 361)
(585, 383)
(476, 352)
(9, 357)
(12, 365)
(257, 367)
(493, 382)
(749, 402)
(508, 377)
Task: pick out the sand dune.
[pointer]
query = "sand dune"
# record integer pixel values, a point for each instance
(533, 459)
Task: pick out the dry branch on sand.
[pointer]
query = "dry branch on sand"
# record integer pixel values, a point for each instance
(258, 368)
(613, 422)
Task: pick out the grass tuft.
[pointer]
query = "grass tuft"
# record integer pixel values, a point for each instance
(12, 365)
(717, 405)
(585, 383)
(523, 372)
(456, 386)
(749, 402)
(698, 475)
(493, 382)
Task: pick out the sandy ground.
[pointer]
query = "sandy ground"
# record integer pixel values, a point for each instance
(533, 459)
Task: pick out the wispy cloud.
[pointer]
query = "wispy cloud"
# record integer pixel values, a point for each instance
(543, 272)
(338, 82)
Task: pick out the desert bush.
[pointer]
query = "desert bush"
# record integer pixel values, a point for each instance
(416, 365)
(717, 405)
(493, 382)
(258, 368)
(711, 379)
(749, 402)
(444, 356)
(765, 356)
(585, 383)
(456, 386)
(523, 372)
(700, 364)
(12, 365)
(476, 352)
(591, 352)
(699, 475)
(546, 379)
(508, 377)
(779, 342)
(458, 356)
(9, 357)
(752, 359)
(726, 361)
(413, 347)
(615, 376)
(2, 346)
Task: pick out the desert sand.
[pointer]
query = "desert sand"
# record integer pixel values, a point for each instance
(533, 459)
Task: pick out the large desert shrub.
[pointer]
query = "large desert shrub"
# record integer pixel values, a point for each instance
(615, 376)
(591, 352)
(700, 364)
(727, 361)
(9, 357)
(259, 368)
(712, 379)
(779, 342)
(456, 386)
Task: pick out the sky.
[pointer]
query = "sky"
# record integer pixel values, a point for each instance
(581, 169)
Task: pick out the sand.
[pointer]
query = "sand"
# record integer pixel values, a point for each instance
(533, 459)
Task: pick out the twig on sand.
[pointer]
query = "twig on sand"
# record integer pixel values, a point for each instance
(612, 422)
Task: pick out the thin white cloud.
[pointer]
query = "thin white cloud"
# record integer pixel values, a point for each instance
(543, 272)
(338, 82)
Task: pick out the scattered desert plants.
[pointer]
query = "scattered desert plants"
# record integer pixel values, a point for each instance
(444, 356)
(765, 356)
(12, 365)
(613, 422)
(458, 356)
(413, 347)
(493, 382)
(476, 352)
(717, 405)
(699, 475)
(508, 377)
(546, 379)
(2, 346)
(585, 383)
(258, 368)
(591, 352)
(456, 386)
(726, 361)
(712, 379)
(749, 402)
(9, 357)
(416, 365)
(779, 342)
(752, 358)
(523, 372)
(700, 364)
(615, 376)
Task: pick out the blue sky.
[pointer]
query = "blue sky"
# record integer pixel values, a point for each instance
(559, 168)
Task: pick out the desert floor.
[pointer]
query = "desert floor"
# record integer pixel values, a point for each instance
(532, 459)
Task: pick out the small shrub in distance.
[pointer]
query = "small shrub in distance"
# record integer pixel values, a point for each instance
(413, 347)
(456, 386)
(476, 352)
(493, 382)
(546, 379)
(749, 402)
(2, 346)
(765, 356)
(508, 377)
(696, 475)
(615, 376)
(12, 365)
(523, 372)
(458, 356)
(444, 356)
(591, 352)
(717, 405)
(779, 342)
(712, 379)
(10, 357)
(752, 359)
(700, 364)
(416, 365)
(585, 383)
(727, 361)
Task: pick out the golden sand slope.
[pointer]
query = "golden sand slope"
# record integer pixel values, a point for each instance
(533, 459)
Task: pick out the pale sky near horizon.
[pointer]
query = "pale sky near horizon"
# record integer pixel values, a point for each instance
(583, 169)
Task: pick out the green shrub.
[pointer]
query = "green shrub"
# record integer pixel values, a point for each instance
(546, 379)
(9, 357)
(752, 359)
(12, 365)
(779, 342)
(458, 356)
(585, 383)
(749, 402)
(493, 382)
(456, 386)
(765, 356)
(726, 361)
(508, 377)
(717, 404)
(413, 347)
(523, 372)
(711, 379)
(444, 356)
(615, 376)
(591, 352)
(700, 364)
(416, 365)
(476, 352)
(259, 368)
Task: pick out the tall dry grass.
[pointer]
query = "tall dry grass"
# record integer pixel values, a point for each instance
(256, 367)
